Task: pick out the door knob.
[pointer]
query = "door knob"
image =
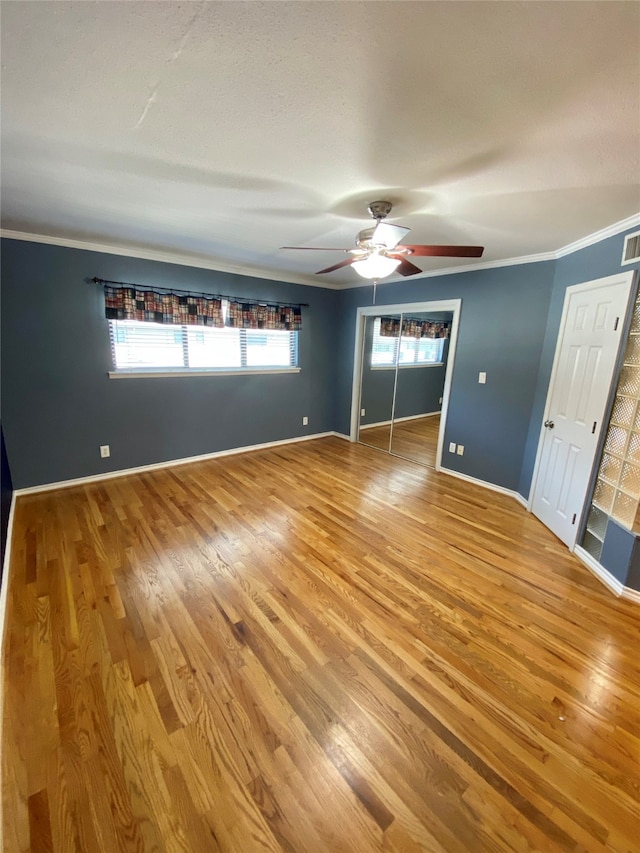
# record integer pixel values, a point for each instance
(549, 424)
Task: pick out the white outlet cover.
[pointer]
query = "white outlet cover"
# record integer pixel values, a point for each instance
(104, 451)
(482, 378)
(363, 412)
(305, 421)
(452, 447)
(460, 449)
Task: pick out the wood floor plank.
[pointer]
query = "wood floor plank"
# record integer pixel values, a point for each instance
(316, 647)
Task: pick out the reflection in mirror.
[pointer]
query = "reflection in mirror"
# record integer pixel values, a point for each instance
(422, 363)
(381, 336)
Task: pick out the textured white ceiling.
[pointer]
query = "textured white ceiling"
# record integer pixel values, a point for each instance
(224, 130)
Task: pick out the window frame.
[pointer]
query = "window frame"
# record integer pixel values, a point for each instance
(396, 351)
(160, 371)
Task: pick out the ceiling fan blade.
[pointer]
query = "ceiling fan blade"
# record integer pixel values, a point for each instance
(315, 248)
(387, 235)
(446, 251)
(405, 267)
(337, 266)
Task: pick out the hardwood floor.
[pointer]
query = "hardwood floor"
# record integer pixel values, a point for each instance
(416, 439)
(377, 436)
(314, 648)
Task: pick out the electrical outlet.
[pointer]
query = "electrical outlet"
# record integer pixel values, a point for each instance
(305, 421)
(440, 400)
(461, 450)
(452, 447)
(482, 377)
(363, 412)
(104, 451)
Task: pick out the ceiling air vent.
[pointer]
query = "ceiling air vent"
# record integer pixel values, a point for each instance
(631, 248)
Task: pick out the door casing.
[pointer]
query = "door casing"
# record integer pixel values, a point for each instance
(453, 305)
(617, 279)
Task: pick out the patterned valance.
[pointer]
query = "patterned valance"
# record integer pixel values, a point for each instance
(413, 327)
(251, 315)
(178, 309)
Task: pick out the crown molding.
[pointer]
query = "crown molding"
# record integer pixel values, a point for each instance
(207, 263)
(164, 257)
(609, 231)
(484, 265)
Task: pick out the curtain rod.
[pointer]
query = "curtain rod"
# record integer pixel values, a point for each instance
(240, 299)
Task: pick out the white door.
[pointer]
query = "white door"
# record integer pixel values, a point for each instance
(585, 360)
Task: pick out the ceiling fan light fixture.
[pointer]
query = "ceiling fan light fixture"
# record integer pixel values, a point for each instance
(376, 266)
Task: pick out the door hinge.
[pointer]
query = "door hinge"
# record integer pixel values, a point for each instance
(593, 428)
(573, 520)
(615, 325)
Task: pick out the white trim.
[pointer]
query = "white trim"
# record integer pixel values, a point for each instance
(416, 417)
(406, 366)
(362, 312)
(158, 374)
(166, 258)
(484, 265)
(522, 500)
(140, 469)
(597, 236)
(511, 493)
(399, 420)
(604, 575)
(625, 278)
(582, 243)
(630, 594)
(376, 424)
(341, 435)
(207, 263)
(635, 260)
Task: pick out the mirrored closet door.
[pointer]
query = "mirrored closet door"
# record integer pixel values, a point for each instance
(380, 357)
(403, 374)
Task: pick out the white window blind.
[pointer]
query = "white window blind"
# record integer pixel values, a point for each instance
(384, 350)
(153, 347)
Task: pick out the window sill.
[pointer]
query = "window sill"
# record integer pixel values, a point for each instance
(164, 374)
(407, 366)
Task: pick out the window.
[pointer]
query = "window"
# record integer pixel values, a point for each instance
(151, 347)
(413, 351)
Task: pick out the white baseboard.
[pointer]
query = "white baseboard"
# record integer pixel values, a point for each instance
(372, 426)
(140, 469)
(484, 483)
(400, 420)
(631, 594)
(416, 417)
(612, 583)
(341, 435)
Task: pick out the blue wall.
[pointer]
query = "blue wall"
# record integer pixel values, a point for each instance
(59, 405)
(502, 327)
(597, 261)
(621, 549)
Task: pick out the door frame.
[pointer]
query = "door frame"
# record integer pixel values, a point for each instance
(453, 305)
(607, 281)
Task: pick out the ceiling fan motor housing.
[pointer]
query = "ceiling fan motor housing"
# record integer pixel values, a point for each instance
(380, 209)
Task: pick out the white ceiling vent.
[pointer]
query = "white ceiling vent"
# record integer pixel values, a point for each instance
(631, 248)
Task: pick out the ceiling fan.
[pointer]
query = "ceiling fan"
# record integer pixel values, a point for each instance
(378, 251)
